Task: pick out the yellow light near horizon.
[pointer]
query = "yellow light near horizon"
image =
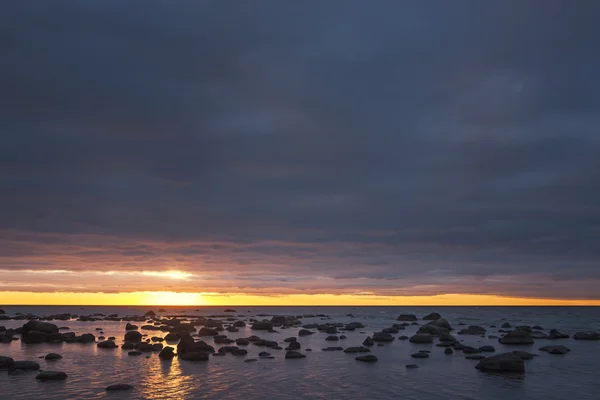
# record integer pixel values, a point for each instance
(243, 299)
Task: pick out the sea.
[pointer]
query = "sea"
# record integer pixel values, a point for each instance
(321, 375)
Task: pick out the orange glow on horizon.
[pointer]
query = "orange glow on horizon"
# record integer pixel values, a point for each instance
(241, 299)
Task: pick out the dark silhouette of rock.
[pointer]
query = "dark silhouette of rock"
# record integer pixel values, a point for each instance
(411, 366)
(419, 355)
(167, 353)
(555, 334)
(367, 358)
(242, 342)
(119, 386)
(368, 341)
(555, 349)
(25, 365)
(107, 344)
(421, 338)
(432, 317)
(134, 353)
(505, 362)
(6, 362)
(294, 354)
(488, 349)
(475, 357)
(194, 356)
(86, 338)
(589, 335)
(359, 349)
(130, 327)
(506, 325)
(304, 332)
(150, 314)
(262, 326)
(382, 337)
(51, 376)
(516, 337)
(448, 350)
(470, 350)
(332, 338)
(133, 337)
(207, 332)
(333, 349)
(472, 330)
(53, 356)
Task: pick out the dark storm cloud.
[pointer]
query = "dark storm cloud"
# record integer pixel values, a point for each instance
(337, 139)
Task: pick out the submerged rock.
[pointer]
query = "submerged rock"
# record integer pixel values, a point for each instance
(505, 362)
(448, 350)
(411, 366)
(51, 376)
(366, 358)
(359, 349)
(555, 349)
(419, 355)
(119, 386)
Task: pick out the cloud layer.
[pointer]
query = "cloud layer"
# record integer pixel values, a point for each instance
(318, 147)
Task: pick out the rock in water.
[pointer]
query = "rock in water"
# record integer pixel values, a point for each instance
(294, 354)
(448, 351)
(167, 353)
(586, 336)
(51, 376)
(6, 362)
(506, 362)
(432, 317)
(412, 366)
(107, 344)
(25, 365)
(130, 327)
(194, 356)
(357, 350)
(419, 355)
(368, 341)
(53, 356)
(382, 337)
(516, 337)
(555, 349)
(421, 338)
(367, 358)
(119, 386)
(133, 337)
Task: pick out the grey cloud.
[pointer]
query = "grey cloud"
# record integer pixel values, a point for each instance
(465, 130)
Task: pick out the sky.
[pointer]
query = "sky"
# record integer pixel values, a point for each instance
(314, 152)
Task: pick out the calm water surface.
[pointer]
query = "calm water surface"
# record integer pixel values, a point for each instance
(321, 375)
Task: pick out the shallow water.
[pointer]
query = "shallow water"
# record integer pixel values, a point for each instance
(321, 375)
